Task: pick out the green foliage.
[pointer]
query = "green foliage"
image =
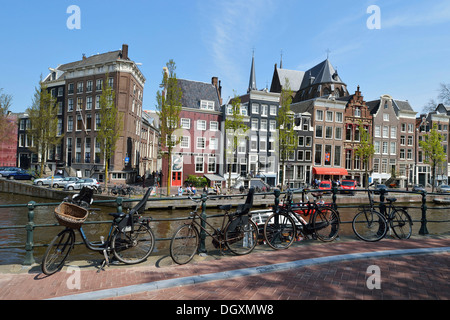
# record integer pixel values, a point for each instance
(168, 109)
(6, 126)
(433, 150)
(365, 149)
(198, 182)
(111, 124)
(43, 117)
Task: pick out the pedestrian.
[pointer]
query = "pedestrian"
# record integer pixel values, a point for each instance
(180, 191)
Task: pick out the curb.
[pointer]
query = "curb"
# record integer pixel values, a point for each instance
(185, 281)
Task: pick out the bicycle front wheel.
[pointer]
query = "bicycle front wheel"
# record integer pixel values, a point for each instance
(401, 223)
(184, 244)
(279, 231)
(241, 238)
(57, 252)
(369, 225)
(134, 245)
(325, 223)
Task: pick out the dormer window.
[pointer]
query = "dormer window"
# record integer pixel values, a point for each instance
(207, 105)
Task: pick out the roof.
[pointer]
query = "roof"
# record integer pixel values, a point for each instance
(322, 73)
(93, 60)
(195, 91)
(295, 78)
(403, 105)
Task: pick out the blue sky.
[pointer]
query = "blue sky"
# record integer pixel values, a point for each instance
(408, 57)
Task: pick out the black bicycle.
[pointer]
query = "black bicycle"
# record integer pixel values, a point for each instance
(288, 222)
(238, 233)
(372, 225)
(130, 239)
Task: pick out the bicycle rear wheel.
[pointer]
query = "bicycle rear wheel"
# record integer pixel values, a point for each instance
(369, 225)
(401, 223)
(279, 230)
(242, 238)
(135, 245)
(57, 252)
(184, 244)
(325, 223)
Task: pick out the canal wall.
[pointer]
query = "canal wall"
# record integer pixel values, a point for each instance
(175, 202)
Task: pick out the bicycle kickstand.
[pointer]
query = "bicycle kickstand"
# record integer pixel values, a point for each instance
(105, 262)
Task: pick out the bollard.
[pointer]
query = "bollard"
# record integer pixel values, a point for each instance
(423, 228)
(382, 206)
(276, 192)
(334, 190)
(202, 246)
(29, 259)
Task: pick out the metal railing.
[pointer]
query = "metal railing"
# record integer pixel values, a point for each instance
(31, 206)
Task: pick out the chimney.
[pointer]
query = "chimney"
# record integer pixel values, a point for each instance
(125, 52)
(84, 56)
(216, 83)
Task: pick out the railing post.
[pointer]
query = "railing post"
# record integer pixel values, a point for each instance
(382, 206)
(202, 246)
(334, 190)
(423, 228)
(29, 258)
(119, 201)
(276, 192)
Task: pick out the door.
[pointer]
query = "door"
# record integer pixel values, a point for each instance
(176, 179)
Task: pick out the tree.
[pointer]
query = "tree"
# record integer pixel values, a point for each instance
(444, 96)
(6, 126)
(235, 129)
(168, 110)
(43, 129)
(365, 150)
(433, 151)
(286, 133)
(110, 128)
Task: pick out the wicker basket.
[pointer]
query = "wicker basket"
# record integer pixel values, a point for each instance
(70, 215)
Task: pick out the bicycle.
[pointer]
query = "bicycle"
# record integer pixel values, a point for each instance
(238, 233)
(287, 224)
(371, 225)
(130, 239)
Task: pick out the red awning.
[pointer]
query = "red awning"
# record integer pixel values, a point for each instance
(330, 171)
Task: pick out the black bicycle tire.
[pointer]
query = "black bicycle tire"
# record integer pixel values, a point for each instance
(141, 228)
(183, 250)
(272, 231)
(370, 225)
(397, 228)
(315, 225)
(233, 246)
(67, 247)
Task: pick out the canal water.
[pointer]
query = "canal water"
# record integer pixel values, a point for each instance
(163, 229)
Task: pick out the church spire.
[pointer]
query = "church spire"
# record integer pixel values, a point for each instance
(252, 82)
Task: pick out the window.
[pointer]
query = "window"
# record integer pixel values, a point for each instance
(242, 147)
(339, 117)
(184, 143)
(348, 159)
(264, 110)
(99, 85)
(402, 140)
(384, 165)
(201, 124)
(357, 112)
(88, 121)
(319, 133)
(338, 133)
(206, 105)
(79, 103)
(393, 148)
(254, 124)
(301, 141)
(201, 143)
(80, 87)
(337, 156)
(327, 155)
(402, 153)
(308, 142)
(262, 144)
(273, 110)
(213, 125)
(199, 164)
(376, 165)
(185, 123)
(349, 133)
(60, 91)
(385, 147)
(263, 124)
(410, 128)
(409, 154)
(70, 104)
(319, 115)
(70, 89)
(300, 155)
(385, 132)
(97, 121)
(88, 103)
(89, 85)
(272, 125)
(377, 131)
(213, 144)
(318, 155)
(255, 108)
(306, 124)
(376, 145)
(328, 132)
(211, 164)
(385, 116)
(79, 122)
(307, 155)
(410, 140)
(329, 116)
(254, 143)
(357, 135)
(394, 132)
(111, 82)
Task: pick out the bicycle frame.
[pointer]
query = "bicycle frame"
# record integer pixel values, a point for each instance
(212, 235)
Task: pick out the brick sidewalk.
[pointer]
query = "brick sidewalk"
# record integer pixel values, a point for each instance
(402, 277)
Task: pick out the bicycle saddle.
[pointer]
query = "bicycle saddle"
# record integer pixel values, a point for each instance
(391, 199)
(225, 207)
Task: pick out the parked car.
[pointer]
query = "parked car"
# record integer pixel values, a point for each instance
(20, 174)
(47, 180)
(418, 188)
(77, 185)
(62, 183)
(443, 188)
(379, 187)
(325, 186)
(348, 186)
(6, 171)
